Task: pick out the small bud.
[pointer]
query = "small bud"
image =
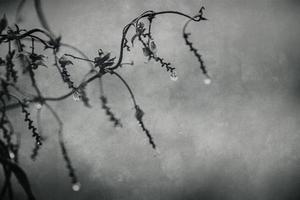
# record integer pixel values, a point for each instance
(146, 51)
(141, 25)
(76, 186)
(152, 46)
(64, 61)
(173, 76)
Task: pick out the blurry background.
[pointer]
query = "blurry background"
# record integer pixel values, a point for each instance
(237, 138)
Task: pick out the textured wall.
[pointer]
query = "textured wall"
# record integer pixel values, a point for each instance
(235, 139)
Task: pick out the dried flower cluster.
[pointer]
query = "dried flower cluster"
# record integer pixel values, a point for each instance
(22, 59)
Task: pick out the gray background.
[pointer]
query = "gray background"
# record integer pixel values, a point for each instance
(235, 139)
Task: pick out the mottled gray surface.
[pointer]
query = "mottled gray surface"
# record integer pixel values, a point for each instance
(235, 139)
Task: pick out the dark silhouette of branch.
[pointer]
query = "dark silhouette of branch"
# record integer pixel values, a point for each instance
(31, 127)
(190, 44)
(109, 113)
(138, 111)
(69, 165)
(18, 40)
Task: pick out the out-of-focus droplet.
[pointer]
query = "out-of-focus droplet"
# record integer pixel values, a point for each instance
(207, 81)
(11, 155)
(38, 106)
(76, 187)
(76, 96)
(173, 76)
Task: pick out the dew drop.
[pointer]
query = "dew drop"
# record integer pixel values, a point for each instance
(173, 76)
(207, 81)
(76, 187)
(38, 106)
(139, 123)
(39, 143)
(76, 96)
(11, 155)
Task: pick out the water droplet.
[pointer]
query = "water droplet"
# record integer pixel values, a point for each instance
(76, 187)
(207, 81)
(38, 106)
(173, 76)
(11, 155)
(39, 143)
(76, 96)
(139, 123)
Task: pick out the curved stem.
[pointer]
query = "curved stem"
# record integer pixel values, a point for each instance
(78, 58)
(80, 52)
(57, 118)
(42, 18)
(186, 35)
(127, 86)
(144, 15)
(28, 33)
(62, 145)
